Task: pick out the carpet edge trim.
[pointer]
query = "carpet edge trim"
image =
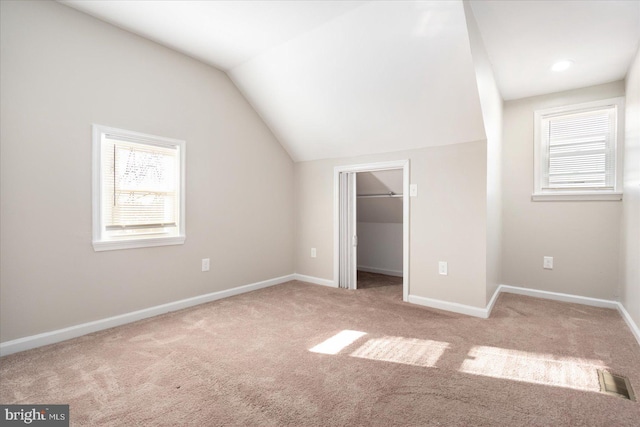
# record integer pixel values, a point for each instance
(59, 335)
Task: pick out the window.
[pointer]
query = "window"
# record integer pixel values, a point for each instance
(578, 153)
(138, 190)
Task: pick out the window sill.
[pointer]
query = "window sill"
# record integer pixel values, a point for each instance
(576, 197)
(110, 245)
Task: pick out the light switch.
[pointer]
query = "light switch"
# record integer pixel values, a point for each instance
(413, 190)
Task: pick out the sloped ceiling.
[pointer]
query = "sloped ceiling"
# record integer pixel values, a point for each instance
(379, 182)
(331, 79)
(221, 33)
(383, 77)
(344, 78)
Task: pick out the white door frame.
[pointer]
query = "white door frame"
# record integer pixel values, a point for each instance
(373, 167)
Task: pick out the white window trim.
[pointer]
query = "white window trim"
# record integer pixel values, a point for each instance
(616, 194)
(100, 244)
(576, 196)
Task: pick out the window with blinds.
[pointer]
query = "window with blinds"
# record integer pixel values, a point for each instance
(579, 150)
(576, 149)
(140, 186)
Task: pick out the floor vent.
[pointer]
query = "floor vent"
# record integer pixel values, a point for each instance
(616, 385)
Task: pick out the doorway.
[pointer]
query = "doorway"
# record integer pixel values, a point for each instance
(379, 229)
(374, 191)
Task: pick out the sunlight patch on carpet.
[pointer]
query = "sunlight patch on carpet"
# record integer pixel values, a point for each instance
(338, 342)
(547, 369)
(408, 351)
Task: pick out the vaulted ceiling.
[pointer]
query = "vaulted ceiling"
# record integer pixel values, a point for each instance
(336, 79)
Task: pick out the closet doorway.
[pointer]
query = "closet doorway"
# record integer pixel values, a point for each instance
(371, 224)
(379, 228)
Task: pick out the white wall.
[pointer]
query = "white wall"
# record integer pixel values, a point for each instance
(447, 219)
(61, 71)
(583, 237)
(379, 222)
(630, 227)
(492, 117)
(387, 209)
(380, 247)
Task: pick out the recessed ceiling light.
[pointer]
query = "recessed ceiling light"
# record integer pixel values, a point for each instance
(562, 65)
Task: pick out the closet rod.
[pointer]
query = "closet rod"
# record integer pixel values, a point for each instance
(371, 196)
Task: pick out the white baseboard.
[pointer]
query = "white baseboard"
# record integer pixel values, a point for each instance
(492, 302)
(576, 299)
(469, 310)
(556, 296)
(397, 273)
(59, 335)
(632, 325)
(314, 280)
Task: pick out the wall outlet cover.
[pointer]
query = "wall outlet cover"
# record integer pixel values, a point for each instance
(443, 268)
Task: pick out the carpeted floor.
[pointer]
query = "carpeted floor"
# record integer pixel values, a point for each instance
(368, 280)
(306, 355)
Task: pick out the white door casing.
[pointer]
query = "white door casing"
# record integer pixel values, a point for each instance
(345, 194)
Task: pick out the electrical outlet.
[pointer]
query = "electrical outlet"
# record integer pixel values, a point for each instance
(313, 252)
(205, 264)
(547, 262)
(443, 268)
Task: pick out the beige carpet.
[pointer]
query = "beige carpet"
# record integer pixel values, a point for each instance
(368, 280)
(306, 355)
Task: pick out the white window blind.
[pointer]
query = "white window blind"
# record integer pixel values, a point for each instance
(138, 190)
(140, 182)
(579, 150)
